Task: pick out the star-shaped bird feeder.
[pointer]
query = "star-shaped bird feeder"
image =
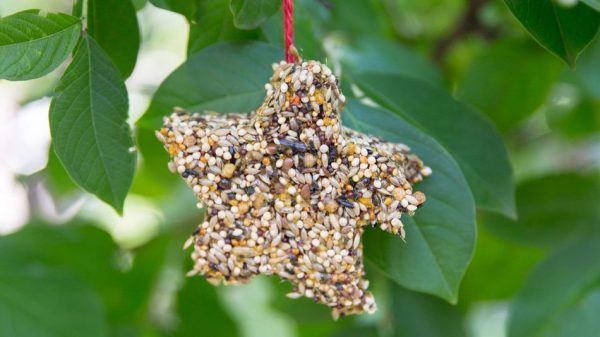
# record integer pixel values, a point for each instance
(288, 190)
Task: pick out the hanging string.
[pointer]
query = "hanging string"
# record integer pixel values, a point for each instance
(291, 55)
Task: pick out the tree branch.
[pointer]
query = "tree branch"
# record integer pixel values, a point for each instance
(327, 4)
(469, 23)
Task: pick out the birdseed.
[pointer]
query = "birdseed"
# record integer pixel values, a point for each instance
(288, 190)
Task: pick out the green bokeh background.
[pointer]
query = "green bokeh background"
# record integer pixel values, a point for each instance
(76, 268)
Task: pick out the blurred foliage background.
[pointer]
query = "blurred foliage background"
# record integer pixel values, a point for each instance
(70, 265)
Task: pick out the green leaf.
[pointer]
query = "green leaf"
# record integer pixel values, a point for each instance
(153, 178)
(32, 45)
(595, 4)
(551, 210)
(562, 296)
(77, 252)
(83, 250)
(228, 77)
(186, 8)
(424, 316)
(113, 24)
(509, 82)
(562, 30)
(200, 309)
(249, 14)
(57, 178)
(88, 124)
(70, 247)
(578, 116)
(588, 68)
(353, 331)
(485, 281)
(441, 236)
(468, 137)
(139, 4)
(44, 302)
(213, 23)
(77, 9)
(138, 283)
(90, 254)
(376, 55)
(432, 20)
(351, 16)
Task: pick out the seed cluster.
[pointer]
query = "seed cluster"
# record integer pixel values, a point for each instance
(288, 190)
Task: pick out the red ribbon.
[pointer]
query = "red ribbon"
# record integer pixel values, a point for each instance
(288, 29)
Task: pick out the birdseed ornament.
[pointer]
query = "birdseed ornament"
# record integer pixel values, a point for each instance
(288, 190)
